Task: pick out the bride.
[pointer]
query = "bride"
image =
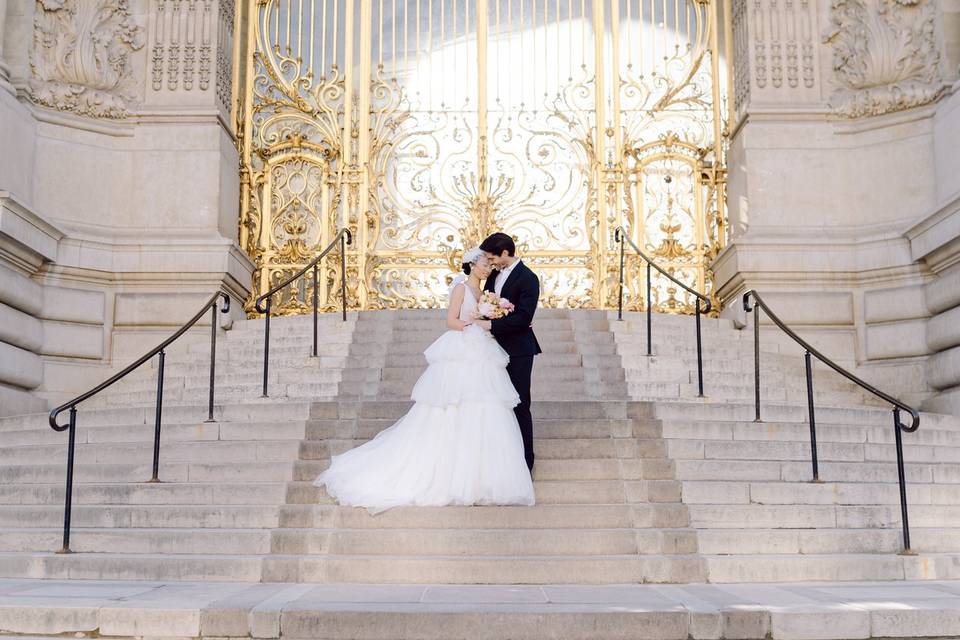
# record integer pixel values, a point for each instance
(460, 443)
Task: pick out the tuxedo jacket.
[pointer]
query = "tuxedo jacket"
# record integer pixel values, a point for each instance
(513, 331)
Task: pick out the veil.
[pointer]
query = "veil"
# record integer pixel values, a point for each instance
(460, 279)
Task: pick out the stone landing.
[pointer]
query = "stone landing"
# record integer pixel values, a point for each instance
(803, 611)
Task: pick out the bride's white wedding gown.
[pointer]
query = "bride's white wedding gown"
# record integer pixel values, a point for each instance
(458, 445)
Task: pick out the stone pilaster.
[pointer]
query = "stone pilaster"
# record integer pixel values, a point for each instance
(831, 161)
(133, 160)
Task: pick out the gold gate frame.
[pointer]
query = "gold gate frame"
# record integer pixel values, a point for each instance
(319, 108)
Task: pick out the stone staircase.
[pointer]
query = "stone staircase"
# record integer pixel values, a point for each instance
(637, 479)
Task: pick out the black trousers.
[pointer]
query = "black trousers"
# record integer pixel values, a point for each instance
(520, 369)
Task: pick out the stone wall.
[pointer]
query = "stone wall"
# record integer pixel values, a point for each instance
(130, 167)
(845, 111)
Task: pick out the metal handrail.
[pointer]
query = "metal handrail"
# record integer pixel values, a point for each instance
(160, 350)
(623, 238)
(343, 237)
(810, 351)
(618, 234)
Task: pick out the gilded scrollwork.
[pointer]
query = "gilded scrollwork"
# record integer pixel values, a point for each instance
(80, 60)
(346, 133)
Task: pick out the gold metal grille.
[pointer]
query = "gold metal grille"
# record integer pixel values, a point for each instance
(424, 125)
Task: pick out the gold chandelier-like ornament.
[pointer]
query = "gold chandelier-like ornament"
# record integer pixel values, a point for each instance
(424, 125)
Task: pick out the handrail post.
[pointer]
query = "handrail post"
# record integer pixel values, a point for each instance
(343, 275)
(619, 234)
(266, 345)
(159, 413)
(68, 497)
(813, 420)
(903, 483)
(315, 286)
(213, 358)
(649, 313)
(756, 360)
(699, 354)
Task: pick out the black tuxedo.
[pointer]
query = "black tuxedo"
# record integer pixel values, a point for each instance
(516, 336)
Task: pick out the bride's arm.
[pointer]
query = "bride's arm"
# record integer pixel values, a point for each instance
(453, 311)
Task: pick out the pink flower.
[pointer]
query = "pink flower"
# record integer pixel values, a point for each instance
(485, 309)
(506, 305)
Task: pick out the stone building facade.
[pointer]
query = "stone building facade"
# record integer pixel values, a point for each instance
(119, 183)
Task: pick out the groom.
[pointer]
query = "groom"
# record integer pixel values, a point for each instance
(514, 281)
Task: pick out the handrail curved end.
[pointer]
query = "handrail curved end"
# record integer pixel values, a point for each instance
(349, 235)
(914, 422)
(225, 307)
(746, 300)
(257, 304)
(53, 420)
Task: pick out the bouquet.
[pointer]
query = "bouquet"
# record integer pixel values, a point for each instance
(491, 306)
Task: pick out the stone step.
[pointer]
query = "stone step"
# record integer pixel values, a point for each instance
(120, 516)
(552, 389)
(824, 541)
(764, 516)
(586, 492)
(719, 376)
(468, 542)
(169, 472)
(770, 568)
(653, 390)
(239, 452)
(779, 412)
(774, 470)
(798, 450)
(224, 393)
(931, 435)
(252, 432)
(116, 566)
(374, 569)
(550, 450)
(545, 428)
(539, 516)
(816, 493)
(908, 609)
(252, 376)
(544, 469)
(147, 493)
(524, 569)
(205, 542)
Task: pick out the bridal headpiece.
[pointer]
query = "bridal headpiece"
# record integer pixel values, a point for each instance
(470, 256)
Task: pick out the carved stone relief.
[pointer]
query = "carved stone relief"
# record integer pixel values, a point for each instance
(182, 44)
(80, 60)
(780, 36)
(885, 55)
(225, 53)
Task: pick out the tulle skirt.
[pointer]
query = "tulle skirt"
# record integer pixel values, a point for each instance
(458, 445)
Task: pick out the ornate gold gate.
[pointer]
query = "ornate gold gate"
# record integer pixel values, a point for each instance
(423, 125)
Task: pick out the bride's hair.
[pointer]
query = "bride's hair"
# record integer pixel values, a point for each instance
(469, 257)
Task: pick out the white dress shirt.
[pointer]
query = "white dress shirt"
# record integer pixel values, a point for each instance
(502, 277)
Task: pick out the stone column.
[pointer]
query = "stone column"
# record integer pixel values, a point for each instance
(831, 161)
(4, 69)
(135, 162)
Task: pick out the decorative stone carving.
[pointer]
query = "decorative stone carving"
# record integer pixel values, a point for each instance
(741, 55)
(225, 52)
(183, 44)
(782, 40)
(81, 56)
(885, 55)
